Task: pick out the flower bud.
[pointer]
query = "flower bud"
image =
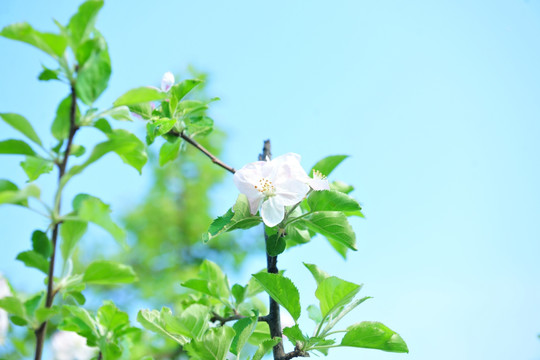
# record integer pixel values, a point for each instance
(167, 81)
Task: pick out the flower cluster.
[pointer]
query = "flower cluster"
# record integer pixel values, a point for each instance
(273, 185)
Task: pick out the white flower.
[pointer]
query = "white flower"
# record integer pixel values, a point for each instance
(4, 321)
(67, 345)
(318, 181)
(167, 81)
(274, 184)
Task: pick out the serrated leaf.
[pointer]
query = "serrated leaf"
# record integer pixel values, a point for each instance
(214, 345)
(35, 166)
(334, 293)
(71, 232)
(275, 245)
(93, 76)
(105, 272)
(331, 200)
(61, 124)
(34, 260)
(333, 225)
(151, 320)
(183, 88)
(13, 305)
(192, 322)
(52, 44)
(243, 328)
(294, 334)
(374, 335)
(314, 313)
(41, 244)
(169, 151)
(318, 274)
(140, 95)
(22, 125)
(111, 319)
(282, 290)
(328, 164)
(82, 23)
(15, 147)
(92, 209)
(239, 217)
(265, 347)
(18, 197)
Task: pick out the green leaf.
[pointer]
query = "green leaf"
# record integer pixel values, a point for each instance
(17, 147)
(32, 304)
(341, 186)
(17, 197)
(82, 23)
(265, 347)
(239, 217)
(35, 260)
(80, 321)
(334, 293)
(41, 243)
(216, 279)
(294, 334)
(275, 245)
(159, 127)
(71, 232)
(282, 290)
(239, 293)
(243, 328)
(374, 335)
(331, 200)
(183, 88)
(77, 150)
(199, 125)
(328, 164)
(22, 125)
(34, 167)
(192, 322)
(318, 274)
(93, 210)
(333, 225)
(169, 151)
(52, 44)
(111, 319)
(107, 272)
(214, 345)
(61, 124)
(314, 313)
(14, 306)
(94, 76)
(48, 74)
(140, 95)
(296, 234)
(151, 320)
(117, 113)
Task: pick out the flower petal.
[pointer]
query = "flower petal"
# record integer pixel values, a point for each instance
(291, 192)
(247, 177)
(255, 203)
(318, 184)
(167, 81)
(272, 211)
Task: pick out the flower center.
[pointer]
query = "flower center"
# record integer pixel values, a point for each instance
(318, 175)
(266, 187)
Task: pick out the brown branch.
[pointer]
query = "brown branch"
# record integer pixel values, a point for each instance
(202, 149)
(42, 329)
(297, 352)
(222, 320)
(273, 317)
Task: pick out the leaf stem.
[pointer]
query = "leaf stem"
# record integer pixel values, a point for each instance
(202, 149)
(41, 330)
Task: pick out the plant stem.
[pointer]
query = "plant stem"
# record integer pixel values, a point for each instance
(40, 332)
(202, 149)
(273, 318)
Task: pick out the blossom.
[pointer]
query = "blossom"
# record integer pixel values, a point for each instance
(318, 182)
(167, 81)
(67, 345)
(272, 185)
(4, 321)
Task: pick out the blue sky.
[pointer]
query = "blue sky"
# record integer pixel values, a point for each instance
(436, 102)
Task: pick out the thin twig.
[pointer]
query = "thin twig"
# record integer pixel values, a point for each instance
(222, 320)
(40, 332)
(297, 352)
(202, 149)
